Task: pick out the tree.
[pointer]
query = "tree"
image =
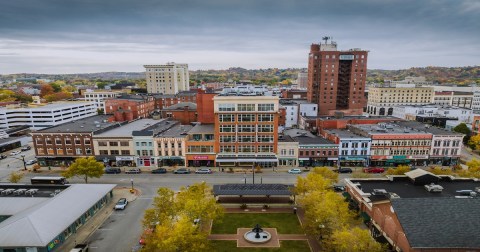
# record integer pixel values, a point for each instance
(441, 171)
(86, 168)
(171, 220)
(15, 177)
(473, 169)
(57, 96)
(56, 87)
(320, 178)
(463, 129)
(7, 95)
(474, 142)
(400, 170)
(46, 90)
(353, 240)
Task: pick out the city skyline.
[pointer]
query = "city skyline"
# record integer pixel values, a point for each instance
(90, 36)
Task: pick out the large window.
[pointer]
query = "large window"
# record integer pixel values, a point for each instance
(246, 139)
(125, 152)
(265, 128)
(227, 148)
(266, 107)
(227, 139)
(226, 107)
(246, 148)
(124, 143)
(102, 143)
(265, 139)
(265, 118)
(246, 107)
(265, 148)
(200, 149)
(246, 128)
(227, 128)
(246, 118)
(227, 118)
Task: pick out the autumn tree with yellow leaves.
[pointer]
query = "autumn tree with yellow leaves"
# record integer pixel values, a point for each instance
(327, 216)
(173, 219)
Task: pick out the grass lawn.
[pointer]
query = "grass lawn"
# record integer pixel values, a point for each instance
(286, 223)
(285, 246)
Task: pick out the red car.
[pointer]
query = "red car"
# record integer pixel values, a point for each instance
(374, 170)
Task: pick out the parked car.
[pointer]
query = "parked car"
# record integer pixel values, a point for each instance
(295, 171)
(15, 153)
(121, 204)
(111, 170)
(182, 171)
(159, 171)
(134, 171)
(80, 248)
(203, 171)
(345, 170)
(26, 148)
(374, 170)
(338, 188)
(3, 156)
(31, 162)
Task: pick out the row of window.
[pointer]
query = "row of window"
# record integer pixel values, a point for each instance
(246, 128)
(246, 107)
(402, 143)
(446, 143)
(245, 118)
(318, 153)
(354, 145)
(67, 141)
(115, 143)
(291, 152)
(67, 151)
(245, 148)
(246, 139)
(114, 152)
(354, 152)
(399, 152)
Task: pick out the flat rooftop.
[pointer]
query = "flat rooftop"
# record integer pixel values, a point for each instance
(202, 129)
(305, 137)
(176, 131)
(345, 134)
(428, 128)
(387, 128)
(127, 129)
(406, 189)
(52, 106)
(89, 124)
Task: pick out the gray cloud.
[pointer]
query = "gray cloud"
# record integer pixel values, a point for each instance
(58, 36)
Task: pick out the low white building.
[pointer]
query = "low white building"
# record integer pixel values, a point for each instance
(411, 112)
(99, 97)
(296, 108)
(44, 116)
(353, 149)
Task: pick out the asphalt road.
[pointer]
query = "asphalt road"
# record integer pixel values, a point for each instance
(14, 163)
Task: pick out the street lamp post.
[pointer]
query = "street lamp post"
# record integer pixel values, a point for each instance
(23, 160)
(253, 173)
(131, 181)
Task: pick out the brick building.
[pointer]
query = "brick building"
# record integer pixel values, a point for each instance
(130, 107)
(294, 94)
(246, 130)
(205, 112)
(336, 79)
(167, 100)
(62, 144)
(201, 146)
(185, 112)
(400, 211)
(313, 150)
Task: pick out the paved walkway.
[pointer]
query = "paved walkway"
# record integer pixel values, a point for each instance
(84, 232)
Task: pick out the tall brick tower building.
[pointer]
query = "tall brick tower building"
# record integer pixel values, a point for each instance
(336, 79)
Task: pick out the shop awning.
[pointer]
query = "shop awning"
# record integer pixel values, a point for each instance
(365, 216)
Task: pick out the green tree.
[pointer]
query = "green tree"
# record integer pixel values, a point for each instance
(15, 177)
(56, 87)
(320, 178)
(463, 129)
(171, 219)
(85, 168)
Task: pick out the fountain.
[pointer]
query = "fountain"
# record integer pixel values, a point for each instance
(257, 235)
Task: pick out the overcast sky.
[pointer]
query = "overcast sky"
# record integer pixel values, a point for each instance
(77, 36)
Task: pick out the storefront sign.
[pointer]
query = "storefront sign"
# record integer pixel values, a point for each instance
(418, 157)
(124, 158)
(200, 157)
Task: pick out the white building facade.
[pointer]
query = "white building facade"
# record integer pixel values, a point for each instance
(40, 117)
(99, 97)
(170, 78)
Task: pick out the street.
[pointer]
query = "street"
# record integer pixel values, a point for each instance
(14, 163)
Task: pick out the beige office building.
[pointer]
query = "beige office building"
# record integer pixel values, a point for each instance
(170, 78)
(382, 99)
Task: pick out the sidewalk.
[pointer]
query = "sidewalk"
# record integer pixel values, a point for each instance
(84, 232)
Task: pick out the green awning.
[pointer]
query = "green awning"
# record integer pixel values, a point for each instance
(346, 195)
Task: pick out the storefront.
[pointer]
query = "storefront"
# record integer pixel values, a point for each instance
(247, 161)
(354, 161)
(56, 161)
(124, 160)
(201, 160)
(317, 161)
(287, 162)
(145, 161)
(171, 161)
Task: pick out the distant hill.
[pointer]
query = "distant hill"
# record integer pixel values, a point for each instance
(441, 75)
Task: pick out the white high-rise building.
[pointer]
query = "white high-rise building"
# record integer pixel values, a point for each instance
(170, 78)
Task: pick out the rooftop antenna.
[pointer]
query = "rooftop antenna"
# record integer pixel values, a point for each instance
(326, 38)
